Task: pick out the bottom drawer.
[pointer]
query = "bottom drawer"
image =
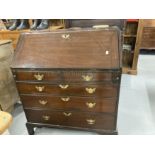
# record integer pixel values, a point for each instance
(72, 119)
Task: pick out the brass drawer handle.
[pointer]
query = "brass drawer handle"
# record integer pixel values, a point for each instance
(43, 102)
(67, 114)
(40, 88)
(87, 77)
(39, 77)
(46, 117)
(65, 36)
(91, 121)
(91, 104)
(63, 86)
(90, 90)
(65, 99)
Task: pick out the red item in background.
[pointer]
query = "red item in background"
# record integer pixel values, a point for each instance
(132, 20)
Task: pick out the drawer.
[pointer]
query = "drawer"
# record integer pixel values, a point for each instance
(88, 76)
(70, 103)
(72, 119)
(104, 90)
(37, 75)
(148, 33)
(148, 38)
(69, 76)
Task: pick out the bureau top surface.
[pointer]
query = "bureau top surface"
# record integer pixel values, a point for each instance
(79, 48)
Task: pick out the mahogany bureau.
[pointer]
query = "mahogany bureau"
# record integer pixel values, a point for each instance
(70, 78)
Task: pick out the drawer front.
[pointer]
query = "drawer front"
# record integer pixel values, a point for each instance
(37, 75)
(70, 103)
(91, 76)
(148, 37)
(69, 76)
(106, 90)
(72, 119)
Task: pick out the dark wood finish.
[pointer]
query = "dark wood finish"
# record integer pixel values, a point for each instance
(31, 126)
(76, 119)
(72, 103)
(96, 48)
(103, 90)
(69, 76)
(70, 79)
(30, 75)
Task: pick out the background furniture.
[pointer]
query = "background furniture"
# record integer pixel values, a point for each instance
(5, 122)
(130, 37)
(91, 22)
(11, 35)
(145, 39)
(148, 34)
(14, 35)
(8, 91)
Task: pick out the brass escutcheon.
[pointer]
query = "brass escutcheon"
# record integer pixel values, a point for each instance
(40, 88)
(46, 117)
(65, 36)
(63, 86)
(67, 114)
(39, 77)
(90, 121)
(43, 102)
(65, 99)
(91, 104)
(87, 77)
(90, 90)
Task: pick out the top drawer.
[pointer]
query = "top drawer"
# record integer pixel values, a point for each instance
(69, 76)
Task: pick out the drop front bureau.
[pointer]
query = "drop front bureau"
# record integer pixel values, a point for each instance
(70, 78)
